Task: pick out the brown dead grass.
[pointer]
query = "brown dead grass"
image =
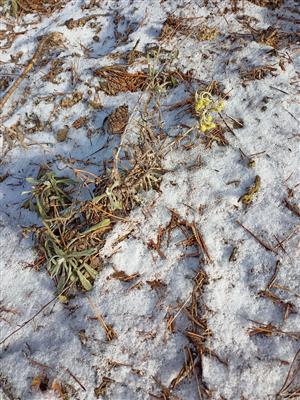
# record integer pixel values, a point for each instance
(186, 27)
(40, 6)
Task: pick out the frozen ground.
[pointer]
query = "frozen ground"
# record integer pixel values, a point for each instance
(66, 342)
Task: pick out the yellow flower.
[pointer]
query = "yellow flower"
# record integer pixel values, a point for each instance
(219, 106)
(202, 101)
(204, 106)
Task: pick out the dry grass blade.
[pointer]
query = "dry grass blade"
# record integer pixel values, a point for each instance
(291, 387)
(292, 207)
(156, 284)
(287, 306)
(268, 3)
(39, 6)
(261, 242)
(157, 245)
(184, 26)
(33, 317)
(123, 277)
(100, 391)
(109, 332)
(165, 393)
(50, 41)
(271, 330)
(170, 322)
(116, 79)
(273, 278)
(185, 372)
(216, 135)
(266, 330)
(259, 73)
(200, 241)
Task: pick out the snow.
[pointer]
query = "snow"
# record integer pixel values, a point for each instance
(257, 365)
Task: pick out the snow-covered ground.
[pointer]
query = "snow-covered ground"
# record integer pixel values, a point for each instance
(65, 343)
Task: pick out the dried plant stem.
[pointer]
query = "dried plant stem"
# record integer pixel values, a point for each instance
(109, 332)
(261, 242)
(34, 316)
(36, 57)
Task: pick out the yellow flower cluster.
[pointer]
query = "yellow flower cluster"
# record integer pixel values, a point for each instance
(204, 106)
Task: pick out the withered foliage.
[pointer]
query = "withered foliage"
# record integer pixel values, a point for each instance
(287, 307)
(73, 231)
(270, 36)
(268, 3)
(55, 69)
(119, 193)
(79, 23)
(123, 277)
(271, 330)
(72, 99)
(100, 390)
(197, 331)
(116, 79)
(216, 135)
(291, 387)
(185, 26)
(49, 42)
(39, 6)
(258, 73)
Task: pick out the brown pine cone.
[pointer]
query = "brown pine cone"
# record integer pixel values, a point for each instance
(116, 122)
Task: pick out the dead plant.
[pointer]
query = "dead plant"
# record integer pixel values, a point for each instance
(291, 387)
(185, 26)
(259, 73)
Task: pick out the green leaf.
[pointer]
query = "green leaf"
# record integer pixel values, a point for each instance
(83, 253)
(90, 270)
(40, 208)
(31, 180)
(103, 224)
(98, 198)
(61, 283)
(84, 281)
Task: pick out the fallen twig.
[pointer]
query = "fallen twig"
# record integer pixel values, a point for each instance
(34, 316)
(292, 207)
(294, 370)
(109, 332)
(261, 242)
(52, 39)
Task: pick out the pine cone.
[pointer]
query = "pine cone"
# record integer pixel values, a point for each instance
(116, 122)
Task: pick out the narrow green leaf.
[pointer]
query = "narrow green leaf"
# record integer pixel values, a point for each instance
(83, 253)
(31, 180)
(101, 225)
(84, 281)
(90, 270)
(98, 198)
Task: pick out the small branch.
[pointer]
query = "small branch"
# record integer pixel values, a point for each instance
(291, 376)
(34, 316)
(261, 242)
(75, 379)
(109, 332)
(200, 241)
(292, 207)
(32, 62)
